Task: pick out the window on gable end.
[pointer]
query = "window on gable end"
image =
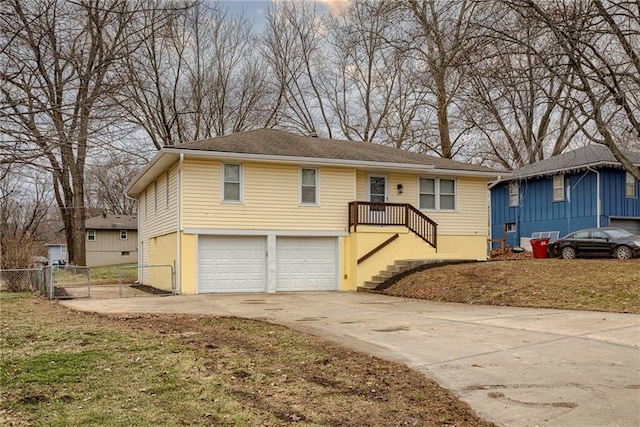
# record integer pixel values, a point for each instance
(558, 188)
(308, 186)
(514, 194)
(631, 186)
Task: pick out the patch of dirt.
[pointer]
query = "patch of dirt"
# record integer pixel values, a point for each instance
(302, 379)
(583, 284)
(150, 289)
(507, 254)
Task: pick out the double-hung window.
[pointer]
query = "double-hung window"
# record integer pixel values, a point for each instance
(437, 194)
(631, 186)
(232, 182)
(91, 235)
(123, 234)
(308, 186)
(514, 194)
(558, 188)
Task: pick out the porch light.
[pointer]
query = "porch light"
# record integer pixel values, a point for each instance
(400, 188)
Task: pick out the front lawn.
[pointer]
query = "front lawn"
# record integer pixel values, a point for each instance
(583, 284)
(59, 367)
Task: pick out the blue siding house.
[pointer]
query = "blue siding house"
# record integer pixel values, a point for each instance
(582, 188)
(57, 252)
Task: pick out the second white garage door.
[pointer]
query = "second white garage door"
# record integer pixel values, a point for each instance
(231, 264)
(306, 263)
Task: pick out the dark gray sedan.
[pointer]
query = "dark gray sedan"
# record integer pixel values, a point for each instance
(600, 242)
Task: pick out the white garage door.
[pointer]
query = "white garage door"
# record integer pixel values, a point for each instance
(631, 225)
(231, 264)
(306, 263)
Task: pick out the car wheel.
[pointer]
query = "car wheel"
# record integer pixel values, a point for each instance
(624, 252)
(568, 253)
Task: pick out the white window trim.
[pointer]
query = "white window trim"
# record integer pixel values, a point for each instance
(317, 185)
(516, 186)
(438, 194)
(561, 180)
(91, 233)
(627, 186)
(126, 235)
(63, 249)
(511, 227)
(222, 181)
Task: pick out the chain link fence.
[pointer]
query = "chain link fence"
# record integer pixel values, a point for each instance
(69, 281)
(146, 280)
(22, 280)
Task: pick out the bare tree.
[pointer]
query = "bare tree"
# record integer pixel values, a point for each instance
(106, 182)
(600, 42)
(369, 80)
(512, 100)
(441, 39)
(293, 49)
(25, 204)
(58, 71)
(196, 74)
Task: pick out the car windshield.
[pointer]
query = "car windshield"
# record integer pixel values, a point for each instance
(618, 233)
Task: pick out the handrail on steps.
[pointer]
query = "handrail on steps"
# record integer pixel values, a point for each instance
(402, 214)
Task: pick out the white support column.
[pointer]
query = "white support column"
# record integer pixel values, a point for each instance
(271, 263)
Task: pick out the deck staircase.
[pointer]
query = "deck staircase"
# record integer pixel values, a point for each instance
(401, 268)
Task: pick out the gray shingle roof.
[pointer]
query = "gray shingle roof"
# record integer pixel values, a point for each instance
(274, 142)
(590, 155)
(112, 222)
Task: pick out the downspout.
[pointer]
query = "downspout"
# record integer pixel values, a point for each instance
(598, 196)
(178, 267)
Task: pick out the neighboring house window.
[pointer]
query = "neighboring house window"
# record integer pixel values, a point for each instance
(125, 253)
(91, 235)
(63, 249)
(437, 194)
(144, 204)
(514, 192)
(123, 234)
(631, 186)
(155, 197)
(232, 178)
(558, 188)
(166, 189)
(511, 227)
(309, 186)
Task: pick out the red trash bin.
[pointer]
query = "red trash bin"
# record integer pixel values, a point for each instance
(539, 247)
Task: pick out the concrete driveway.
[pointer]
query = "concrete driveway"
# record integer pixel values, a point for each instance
(514, 366)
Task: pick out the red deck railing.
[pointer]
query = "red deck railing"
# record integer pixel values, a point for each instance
(402, 214)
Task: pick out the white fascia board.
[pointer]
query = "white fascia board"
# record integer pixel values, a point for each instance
(402, 167)
(567, 170)
(160, 162)
(241, 232)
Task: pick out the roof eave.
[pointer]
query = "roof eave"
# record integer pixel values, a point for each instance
(317, 161)
(568, 169)
(160, 162)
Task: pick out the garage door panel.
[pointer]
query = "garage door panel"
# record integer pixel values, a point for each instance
(231, 264)
(306, 264)
(631, 225)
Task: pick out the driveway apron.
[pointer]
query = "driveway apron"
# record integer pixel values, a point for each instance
(514, 366)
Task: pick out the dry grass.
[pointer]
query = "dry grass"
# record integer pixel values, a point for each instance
(583, 284)
(59, 367)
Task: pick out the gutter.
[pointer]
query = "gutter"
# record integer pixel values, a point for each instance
(598, 196)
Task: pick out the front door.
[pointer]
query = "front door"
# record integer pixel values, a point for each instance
(377, 192)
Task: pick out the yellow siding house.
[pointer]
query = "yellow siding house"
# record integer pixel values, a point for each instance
(270, 211)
